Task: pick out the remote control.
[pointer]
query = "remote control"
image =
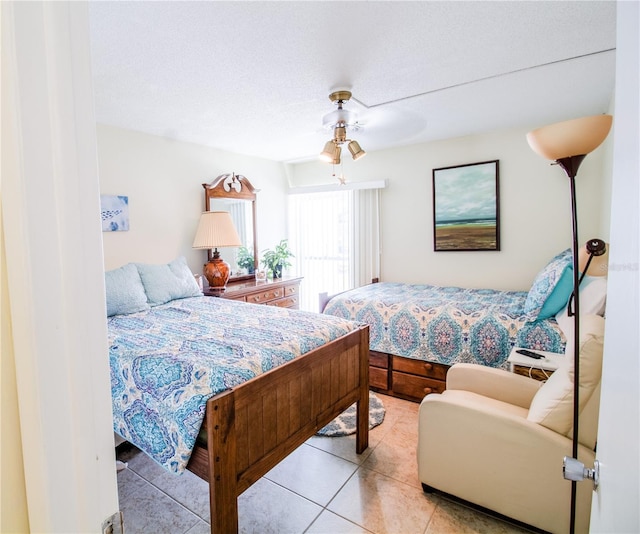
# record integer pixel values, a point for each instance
(531, 354)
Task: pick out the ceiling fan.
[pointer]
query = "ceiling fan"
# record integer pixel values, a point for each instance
(340, 120)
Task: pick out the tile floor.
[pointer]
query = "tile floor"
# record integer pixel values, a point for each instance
(323, 487)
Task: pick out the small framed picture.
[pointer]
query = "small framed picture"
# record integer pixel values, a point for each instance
(466, 207)
(114, 213)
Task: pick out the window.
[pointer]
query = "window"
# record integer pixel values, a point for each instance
(335, 234)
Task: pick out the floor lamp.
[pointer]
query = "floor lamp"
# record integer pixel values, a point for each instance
(567, 143)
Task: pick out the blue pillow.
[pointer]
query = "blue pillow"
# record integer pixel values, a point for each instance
(124, 291)
(559, 297)
(545, 282)
(163, 283)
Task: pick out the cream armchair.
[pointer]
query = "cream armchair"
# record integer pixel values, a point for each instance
(497, 440)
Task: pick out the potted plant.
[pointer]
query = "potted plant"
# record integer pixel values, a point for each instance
(277, 259)
(245, 260)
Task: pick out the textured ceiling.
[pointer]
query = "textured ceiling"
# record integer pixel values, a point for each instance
(254, 77)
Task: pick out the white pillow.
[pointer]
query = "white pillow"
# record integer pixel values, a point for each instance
(593, 299)
(552, 405)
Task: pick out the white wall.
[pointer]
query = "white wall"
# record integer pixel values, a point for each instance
(14, 514)
(163, 180)
(535, 215)
(55, 304)
(615, 505)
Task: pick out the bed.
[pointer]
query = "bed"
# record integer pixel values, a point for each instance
(223, 388)
(418, 331)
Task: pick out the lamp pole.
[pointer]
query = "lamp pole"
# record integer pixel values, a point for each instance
(570, 166)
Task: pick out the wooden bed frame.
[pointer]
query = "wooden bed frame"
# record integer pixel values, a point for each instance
(255, 425)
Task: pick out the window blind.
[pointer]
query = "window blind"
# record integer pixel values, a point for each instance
(335, 233)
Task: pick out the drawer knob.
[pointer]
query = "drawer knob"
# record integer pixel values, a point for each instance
(427, 391)
(428, 366)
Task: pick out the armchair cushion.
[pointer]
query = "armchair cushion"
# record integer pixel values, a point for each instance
(552, 406)
(494, 383)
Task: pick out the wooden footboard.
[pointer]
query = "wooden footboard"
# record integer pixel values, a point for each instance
(253, 426)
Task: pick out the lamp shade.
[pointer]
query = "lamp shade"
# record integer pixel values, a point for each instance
(216, 230)
(570, 138)
(329, 151)
(356, 150)
(599, 253)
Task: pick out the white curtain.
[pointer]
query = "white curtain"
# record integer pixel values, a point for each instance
(335, 235)
(367, 235)
(238, 214)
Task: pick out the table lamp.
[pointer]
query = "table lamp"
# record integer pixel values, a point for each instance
(216, 230)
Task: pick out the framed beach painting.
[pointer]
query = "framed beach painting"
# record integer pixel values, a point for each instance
(466, 207)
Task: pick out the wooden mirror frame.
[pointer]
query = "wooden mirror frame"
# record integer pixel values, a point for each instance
(234, 186)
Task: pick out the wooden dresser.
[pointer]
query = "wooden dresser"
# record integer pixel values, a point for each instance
(283, 292)
(404, 377)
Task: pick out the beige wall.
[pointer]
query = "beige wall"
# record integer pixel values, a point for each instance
(535, 214)
(162, 179)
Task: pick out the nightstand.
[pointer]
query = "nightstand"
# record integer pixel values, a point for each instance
(539, 369)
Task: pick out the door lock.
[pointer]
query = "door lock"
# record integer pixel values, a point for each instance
(573, 469)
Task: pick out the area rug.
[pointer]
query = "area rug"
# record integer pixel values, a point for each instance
(345, 423)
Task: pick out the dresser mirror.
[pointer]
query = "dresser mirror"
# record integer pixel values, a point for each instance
(235, 194)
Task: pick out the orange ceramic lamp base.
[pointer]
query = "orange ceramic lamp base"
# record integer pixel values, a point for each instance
(216, 271)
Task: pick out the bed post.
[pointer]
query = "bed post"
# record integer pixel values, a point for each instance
(362, 417)
(223, 482)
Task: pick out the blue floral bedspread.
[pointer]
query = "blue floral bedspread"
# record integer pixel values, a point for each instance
(168, 361)
(446, 324)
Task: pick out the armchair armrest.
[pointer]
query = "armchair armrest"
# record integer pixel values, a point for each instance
(493, 383)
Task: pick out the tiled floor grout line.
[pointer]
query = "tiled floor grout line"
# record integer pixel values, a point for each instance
(194, 514)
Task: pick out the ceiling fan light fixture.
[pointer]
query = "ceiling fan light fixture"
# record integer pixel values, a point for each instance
(329, 152)
(340, 134)
(356, 150)
(340, 120)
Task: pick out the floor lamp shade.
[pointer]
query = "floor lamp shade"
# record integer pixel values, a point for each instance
(216, 230)
(570, 138)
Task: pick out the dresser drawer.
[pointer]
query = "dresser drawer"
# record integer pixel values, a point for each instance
(286, 302)
(279, 292)
(420, 368)
(291, 290)
(265, 296)
(415, 387)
